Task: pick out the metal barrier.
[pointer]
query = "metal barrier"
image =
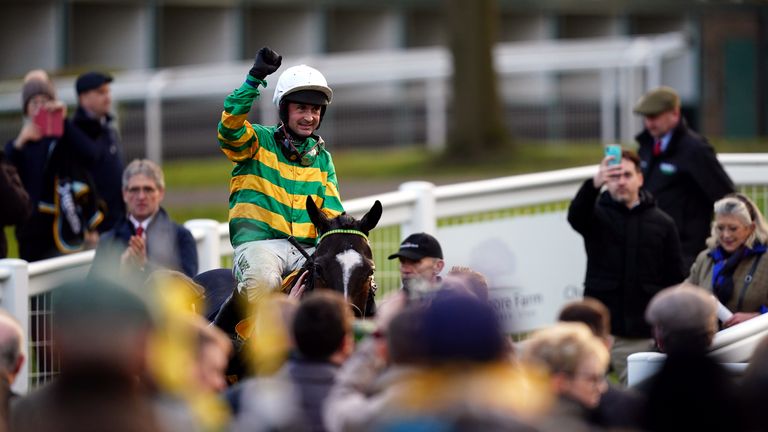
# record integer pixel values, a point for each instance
(417, 206)
(579, 89)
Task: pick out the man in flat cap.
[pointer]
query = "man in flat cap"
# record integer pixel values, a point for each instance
(102, 154)
(421, 261)
(680, 168)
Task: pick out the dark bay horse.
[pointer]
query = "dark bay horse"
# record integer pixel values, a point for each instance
(343, 260)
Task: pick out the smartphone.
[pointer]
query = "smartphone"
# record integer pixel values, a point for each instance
(50, 123)
(615, 151)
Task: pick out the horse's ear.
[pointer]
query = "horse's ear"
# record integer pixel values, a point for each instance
(369, 221)
(315, 215)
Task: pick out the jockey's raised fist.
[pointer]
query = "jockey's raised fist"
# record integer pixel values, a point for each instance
(267, 61)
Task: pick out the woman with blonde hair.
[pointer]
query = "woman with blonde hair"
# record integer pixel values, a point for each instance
(733, 266)
(576, 361)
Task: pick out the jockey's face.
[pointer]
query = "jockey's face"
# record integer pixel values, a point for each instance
(142, 197)
(303, 118)
(426, 268)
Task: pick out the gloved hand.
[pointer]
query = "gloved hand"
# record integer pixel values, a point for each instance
(266, 62)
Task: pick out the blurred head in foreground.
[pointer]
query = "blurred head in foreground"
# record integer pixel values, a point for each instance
(575, 359)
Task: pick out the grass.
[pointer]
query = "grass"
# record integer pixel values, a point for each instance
(392, 164)
(400, 164)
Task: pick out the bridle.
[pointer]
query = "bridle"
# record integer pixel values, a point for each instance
(310, 259)
(292, 240)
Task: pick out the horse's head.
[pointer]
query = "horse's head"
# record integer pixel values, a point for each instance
(343, 258)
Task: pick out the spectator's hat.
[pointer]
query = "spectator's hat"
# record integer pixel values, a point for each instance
(417, 246)
(36, 83)
(98, 300)
(90, 81)
(476, 337)
(657, 101)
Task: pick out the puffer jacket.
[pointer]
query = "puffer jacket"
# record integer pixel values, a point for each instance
(631, 255)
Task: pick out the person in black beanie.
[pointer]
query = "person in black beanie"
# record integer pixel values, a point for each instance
(50, 163)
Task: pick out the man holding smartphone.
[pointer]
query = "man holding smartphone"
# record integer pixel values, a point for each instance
(633, 250)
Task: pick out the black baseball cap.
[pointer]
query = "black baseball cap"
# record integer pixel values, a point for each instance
(91, 80)
(417, 246)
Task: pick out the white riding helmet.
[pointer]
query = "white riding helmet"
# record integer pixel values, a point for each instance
(302, 77)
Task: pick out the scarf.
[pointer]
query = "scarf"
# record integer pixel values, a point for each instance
(725, 266)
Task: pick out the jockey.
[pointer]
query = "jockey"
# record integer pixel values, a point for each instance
(275, 168)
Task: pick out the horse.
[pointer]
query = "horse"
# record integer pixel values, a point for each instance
(343, 260)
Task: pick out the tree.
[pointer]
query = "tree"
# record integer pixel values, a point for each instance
(476, 129)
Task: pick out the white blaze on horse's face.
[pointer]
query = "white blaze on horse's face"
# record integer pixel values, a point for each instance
(349, 259)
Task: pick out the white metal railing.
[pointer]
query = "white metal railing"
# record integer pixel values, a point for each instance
(627, 66)
(415, 207)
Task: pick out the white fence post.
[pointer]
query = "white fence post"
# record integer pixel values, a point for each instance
(437, 123)
(424, 214)
(608, 106)
(14, 290)
(206, 232)
(153, 108)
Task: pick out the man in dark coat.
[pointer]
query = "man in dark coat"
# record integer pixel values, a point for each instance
(145, 239)
(633, 251)
(322, 332)
(680, 168)
(101, 152)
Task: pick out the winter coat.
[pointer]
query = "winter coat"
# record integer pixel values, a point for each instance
(631, 255)
(686, 180)
(14, 199)
(313, 381)
(754, 293)
(100, 150)
(62, 195)
(169, 246)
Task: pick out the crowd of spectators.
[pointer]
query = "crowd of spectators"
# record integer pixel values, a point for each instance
(146, 358)
(137, 351)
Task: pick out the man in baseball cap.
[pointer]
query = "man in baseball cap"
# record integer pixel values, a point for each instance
(421, 258)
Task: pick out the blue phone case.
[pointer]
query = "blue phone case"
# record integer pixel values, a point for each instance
(615, 151)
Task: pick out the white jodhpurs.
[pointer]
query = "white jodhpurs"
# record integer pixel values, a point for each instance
(259, 266)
